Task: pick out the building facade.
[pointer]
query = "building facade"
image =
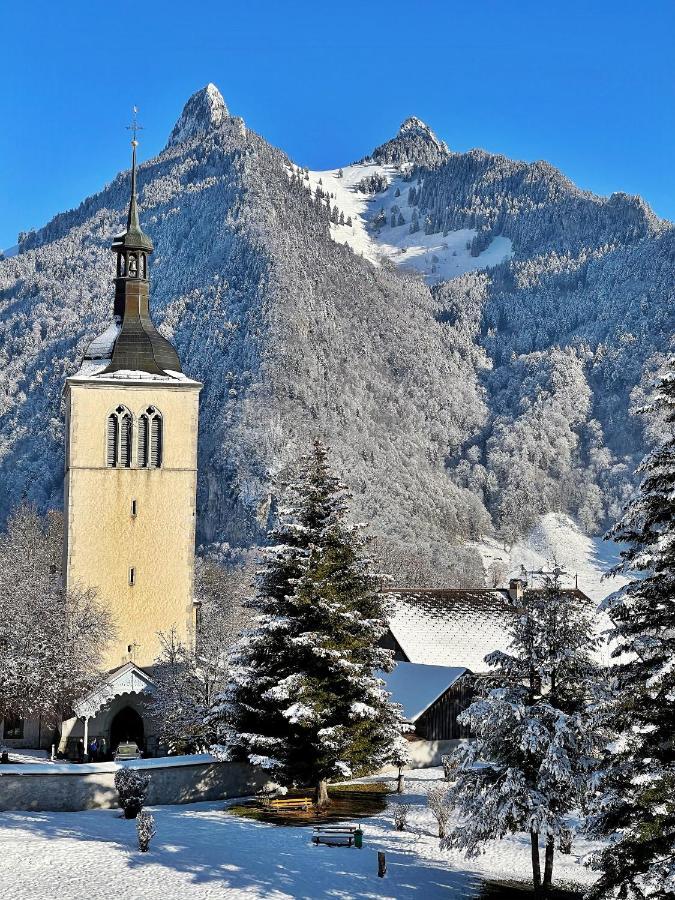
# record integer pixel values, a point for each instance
(130, 489)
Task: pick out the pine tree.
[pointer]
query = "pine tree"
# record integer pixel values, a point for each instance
(532, 730)
(636, 802)
(304, 701)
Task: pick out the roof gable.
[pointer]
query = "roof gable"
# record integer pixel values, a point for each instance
(417, 686)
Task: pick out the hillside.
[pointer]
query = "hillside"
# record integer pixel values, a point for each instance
(468, 374)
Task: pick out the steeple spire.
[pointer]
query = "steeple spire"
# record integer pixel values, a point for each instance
(132, 218)
(139, 346)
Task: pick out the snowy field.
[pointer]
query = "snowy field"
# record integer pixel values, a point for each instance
(202, 853)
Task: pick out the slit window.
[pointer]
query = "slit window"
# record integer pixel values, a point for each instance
(132, 576)
(133, 509)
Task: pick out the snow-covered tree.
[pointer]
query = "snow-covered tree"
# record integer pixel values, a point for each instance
(304, 701)
(636, 800)
(51, 639)
(188, 678)
(534, 746)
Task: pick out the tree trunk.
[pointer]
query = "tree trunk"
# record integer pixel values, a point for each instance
(548, 863)
(322, 798)
(536, 869)
(400, 781)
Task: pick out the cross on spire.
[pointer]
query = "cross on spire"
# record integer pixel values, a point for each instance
(134, 127)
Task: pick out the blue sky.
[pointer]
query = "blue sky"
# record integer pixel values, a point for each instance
(589, 86)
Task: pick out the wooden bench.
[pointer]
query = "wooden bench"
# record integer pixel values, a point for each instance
(283, 803)
(334, 835)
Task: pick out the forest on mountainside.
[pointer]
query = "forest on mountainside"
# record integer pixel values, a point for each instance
(451, 410)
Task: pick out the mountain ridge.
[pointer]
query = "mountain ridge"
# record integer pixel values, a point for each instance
(453, 409)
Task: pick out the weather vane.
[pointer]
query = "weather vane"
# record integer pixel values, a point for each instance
(134, 127)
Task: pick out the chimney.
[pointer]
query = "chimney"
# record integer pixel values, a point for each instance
(516, 589)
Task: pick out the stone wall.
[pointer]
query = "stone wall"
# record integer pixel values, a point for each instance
(69, 787)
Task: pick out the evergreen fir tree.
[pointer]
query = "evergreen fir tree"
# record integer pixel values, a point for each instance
(304, 701)
(532, 731)
(636, 802)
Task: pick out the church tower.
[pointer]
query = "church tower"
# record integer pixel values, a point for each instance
(131, 467)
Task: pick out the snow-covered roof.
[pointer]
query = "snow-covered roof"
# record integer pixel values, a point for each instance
(417, 686)
(452, 627)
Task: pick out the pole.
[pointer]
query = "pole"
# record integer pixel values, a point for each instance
(86, 738)
(381, 864)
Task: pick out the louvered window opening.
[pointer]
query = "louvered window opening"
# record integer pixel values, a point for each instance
(119, 434)
(143, 429)
(111, 441)
(150, 439)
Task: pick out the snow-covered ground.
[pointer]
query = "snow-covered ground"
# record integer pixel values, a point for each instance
(436, 256)
(203, 853)
(557, 539)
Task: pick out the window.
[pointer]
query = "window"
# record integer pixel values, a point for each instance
(150, 438)
(134, 509)
(12, 728)
(118, 438)
(132, 576)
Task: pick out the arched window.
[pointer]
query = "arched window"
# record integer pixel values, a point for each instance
(119, 433)
(150, 438)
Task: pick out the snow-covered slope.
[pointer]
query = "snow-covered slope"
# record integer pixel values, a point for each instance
(464, 403)
(557, 540)
(383, 225)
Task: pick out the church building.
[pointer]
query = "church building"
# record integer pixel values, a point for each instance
(130, 491)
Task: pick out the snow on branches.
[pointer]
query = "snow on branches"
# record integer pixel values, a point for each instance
(303, 695)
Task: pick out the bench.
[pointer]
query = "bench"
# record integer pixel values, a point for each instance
(283, 803)
(334, 835)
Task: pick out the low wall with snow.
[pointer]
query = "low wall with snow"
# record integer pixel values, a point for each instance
(66, 787)
(428, 753)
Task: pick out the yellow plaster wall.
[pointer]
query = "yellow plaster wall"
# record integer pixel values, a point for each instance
(103, 539)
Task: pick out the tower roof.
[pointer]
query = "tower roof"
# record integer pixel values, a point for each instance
(132, 344)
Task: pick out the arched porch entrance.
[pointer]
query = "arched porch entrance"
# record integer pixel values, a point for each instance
(127, 725)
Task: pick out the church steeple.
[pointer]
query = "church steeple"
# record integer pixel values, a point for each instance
(139, 346)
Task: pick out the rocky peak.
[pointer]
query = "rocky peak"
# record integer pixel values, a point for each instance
(415, 144)
(204, 111)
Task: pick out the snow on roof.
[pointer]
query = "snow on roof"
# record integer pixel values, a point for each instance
(416, 686)
(451, 627)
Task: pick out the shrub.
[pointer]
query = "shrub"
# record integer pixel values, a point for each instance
(440, 807)
(145, 827)
(132, 787)
(401, 811)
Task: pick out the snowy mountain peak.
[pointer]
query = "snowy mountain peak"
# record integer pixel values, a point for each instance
(415, 144)
(205, 110)
(416, 126)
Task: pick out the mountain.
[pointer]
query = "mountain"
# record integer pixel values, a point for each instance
(471, 366)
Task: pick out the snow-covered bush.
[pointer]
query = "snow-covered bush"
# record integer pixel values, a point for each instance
(400, 812)
(132, 788)
(449, 763)
(145, 828)
(438, 801)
